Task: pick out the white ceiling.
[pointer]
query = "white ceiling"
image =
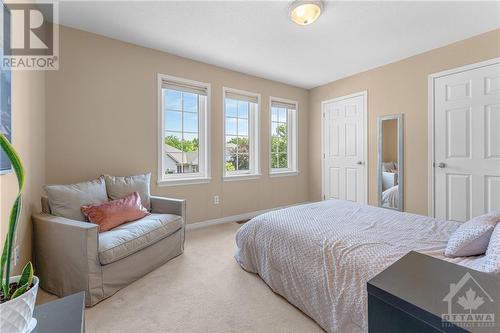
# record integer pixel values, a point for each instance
(257, 38)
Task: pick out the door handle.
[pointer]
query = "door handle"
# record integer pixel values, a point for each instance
(359, 163)
(441, 165)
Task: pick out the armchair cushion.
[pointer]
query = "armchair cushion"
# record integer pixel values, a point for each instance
(131, 237)
(118, 187)
(66, 200)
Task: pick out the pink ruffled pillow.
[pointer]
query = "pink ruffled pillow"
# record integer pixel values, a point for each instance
(111, 214)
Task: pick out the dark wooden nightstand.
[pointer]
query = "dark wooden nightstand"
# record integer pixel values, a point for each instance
(419, 293)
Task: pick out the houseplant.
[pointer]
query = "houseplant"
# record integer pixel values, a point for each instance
(17, 293)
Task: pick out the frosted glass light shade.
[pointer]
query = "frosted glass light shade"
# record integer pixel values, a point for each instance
(305, 12)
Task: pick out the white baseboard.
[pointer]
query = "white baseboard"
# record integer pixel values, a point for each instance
(235, 218)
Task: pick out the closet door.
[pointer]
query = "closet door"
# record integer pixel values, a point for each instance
(344, 149)
(467, 143)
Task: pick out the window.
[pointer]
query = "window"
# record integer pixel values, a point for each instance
(241, 158)
(283, 137)
(183, 137)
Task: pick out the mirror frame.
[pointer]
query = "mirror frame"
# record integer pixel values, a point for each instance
(400, 138)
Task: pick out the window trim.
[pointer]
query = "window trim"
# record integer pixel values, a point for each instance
(203, 131)
(254, 128)
(293, 138)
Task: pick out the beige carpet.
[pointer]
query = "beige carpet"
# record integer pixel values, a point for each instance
(203, 290)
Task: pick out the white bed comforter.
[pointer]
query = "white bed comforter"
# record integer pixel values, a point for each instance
(319, 256)
(390, 197)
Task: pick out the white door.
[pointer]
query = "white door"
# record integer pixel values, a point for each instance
(467, 143)
(344, 140)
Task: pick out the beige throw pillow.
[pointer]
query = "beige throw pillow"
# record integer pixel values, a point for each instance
(66, 200)
(118, 187)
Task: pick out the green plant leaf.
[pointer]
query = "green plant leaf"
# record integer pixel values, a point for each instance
(3, 260)
(26, 275)
(19, 291)
(7, 249)
(5, 264)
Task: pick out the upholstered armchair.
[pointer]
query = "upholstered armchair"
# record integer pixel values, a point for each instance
(71, 256)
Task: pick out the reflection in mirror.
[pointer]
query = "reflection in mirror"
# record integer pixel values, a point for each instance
(390, 162)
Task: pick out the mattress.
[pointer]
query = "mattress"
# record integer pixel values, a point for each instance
(320, 256)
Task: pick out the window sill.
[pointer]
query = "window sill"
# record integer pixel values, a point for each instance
(184, 181)
(283, 173)
(241, 177)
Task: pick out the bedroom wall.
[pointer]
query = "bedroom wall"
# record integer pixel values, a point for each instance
(102, 118)
(400, 87)
(28, 129)
(390, 140)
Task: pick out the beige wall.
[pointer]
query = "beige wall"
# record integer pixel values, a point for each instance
(28, 126)
(102, 118)
(399, 87)
(390, 140)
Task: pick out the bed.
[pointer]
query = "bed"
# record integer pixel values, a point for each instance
(319, 256)
(390, 197)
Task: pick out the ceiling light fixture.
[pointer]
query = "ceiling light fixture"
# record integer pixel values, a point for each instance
(305, 12)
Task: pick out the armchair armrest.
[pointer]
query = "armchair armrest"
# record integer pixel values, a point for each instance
(168, 206)
(162, 205)
(65, 254)
(68, 223)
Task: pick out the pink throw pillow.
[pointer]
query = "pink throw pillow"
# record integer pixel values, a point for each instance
(111, 214)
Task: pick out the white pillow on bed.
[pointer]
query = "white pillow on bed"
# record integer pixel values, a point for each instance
(388, 166)
(492, 258)
(472, 237)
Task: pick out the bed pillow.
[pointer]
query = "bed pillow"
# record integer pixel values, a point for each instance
(492, 258)
(472, 237)
(387, 166)
(118, 187)
(66, 200)
(111, 214)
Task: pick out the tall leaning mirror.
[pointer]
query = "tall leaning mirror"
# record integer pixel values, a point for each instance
(390, 162)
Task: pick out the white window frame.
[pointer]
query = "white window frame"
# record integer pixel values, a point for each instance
(292, 153)
(203, 175)
(253, 137)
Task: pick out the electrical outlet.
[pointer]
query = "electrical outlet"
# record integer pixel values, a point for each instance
(16, 255)
(216, 200)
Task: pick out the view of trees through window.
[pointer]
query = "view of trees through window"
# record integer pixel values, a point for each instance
(184, 145)
(237, 154)
(279, 138)
(237, 150)
(181, 132)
